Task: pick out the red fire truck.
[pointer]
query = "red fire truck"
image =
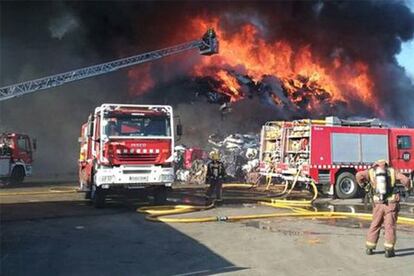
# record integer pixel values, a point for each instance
(124, 147)
(331, 151)
(16, 157)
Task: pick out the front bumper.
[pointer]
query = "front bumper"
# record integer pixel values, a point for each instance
(134, 176)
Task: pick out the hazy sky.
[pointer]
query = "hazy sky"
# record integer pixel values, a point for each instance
(406, 57)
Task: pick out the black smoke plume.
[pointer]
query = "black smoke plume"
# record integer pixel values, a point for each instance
(43, 38)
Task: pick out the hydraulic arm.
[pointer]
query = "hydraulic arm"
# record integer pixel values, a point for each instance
(208, 45)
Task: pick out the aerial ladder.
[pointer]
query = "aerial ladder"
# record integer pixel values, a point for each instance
(207, 45)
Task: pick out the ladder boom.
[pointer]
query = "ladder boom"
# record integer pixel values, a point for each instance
(208, 45)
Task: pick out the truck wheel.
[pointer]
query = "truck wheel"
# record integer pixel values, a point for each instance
(17, 175)
(98, 197)
(346, 186)
(160, 195)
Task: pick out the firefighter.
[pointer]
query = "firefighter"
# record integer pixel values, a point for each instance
(209, 34)
(381, 178)
(215, 176)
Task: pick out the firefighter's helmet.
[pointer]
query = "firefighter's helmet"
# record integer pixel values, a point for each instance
(381, 163)
(215, 155)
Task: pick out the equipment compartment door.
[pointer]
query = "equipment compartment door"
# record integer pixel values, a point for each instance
(352, 148)
(374, 147)
(346, 148)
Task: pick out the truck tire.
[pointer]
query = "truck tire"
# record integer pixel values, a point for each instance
(17, 175)
(346, 186)
(98, 197)
(160, 195)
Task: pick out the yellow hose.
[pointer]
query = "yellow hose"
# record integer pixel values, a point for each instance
(160, 213)
(238, 185)
(50, 191)
(294, 181)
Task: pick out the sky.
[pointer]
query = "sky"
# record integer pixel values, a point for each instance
(406, 57)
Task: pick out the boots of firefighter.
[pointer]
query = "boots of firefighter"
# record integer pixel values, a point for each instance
(218, 202)
(370, 247)
(369, 251)
(389, 253)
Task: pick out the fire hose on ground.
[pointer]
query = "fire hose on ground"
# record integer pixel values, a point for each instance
(296, 207)
(53, 190)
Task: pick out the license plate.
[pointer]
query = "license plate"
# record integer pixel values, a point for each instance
(138, 178)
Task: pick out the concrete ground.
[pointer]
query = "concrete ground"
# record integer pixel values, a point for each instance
(61, 234)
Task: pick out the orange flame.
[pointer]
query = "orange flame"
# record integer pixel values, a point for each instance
(230, 84)
(298, 69)
(303, 74)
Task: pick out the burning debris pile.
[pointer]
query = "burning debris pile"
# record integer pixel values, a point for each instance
(239, 152)
(299, 57)
(292, 78)
(298, 95)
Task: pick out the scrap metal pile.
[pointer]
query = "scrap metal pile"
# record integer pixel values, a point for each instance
(239, 152)
(190, 165)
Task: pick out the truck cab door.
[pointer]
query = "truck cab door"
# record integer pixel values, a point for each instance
(23, 149)
(404, 151)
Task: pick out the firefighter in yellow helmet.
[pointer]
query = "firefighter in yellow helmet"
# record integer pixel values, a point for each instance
(216, 174)
(382, 179)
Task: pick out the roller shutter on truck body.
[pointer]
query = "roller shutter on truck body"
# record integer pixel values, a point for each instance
(350, 148)
(336, 145)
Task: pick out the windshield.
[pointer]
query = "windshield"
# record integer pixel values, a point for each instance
(137, 126)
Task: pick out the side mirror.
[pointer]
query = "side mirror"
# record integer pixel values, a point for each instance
(179, 130)
(90, 126)
(34, 144)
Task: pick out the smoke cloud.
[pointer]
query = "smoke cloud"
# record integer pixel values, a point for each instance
(43, 38)
(62, 25)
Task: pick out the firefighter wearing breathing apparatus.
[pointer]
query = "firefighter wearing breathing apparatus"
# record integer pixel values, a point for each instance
(215, 176)
(382, 178)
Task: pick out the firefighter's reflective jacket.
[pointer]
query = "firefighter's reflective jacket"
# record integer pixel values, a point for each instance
(390, 195)
(215, 171)
(393, 176)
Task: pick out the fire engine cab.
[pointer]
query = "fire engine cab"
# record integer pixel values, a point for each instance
(16, 157)
(127, 147)
(330, 152)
